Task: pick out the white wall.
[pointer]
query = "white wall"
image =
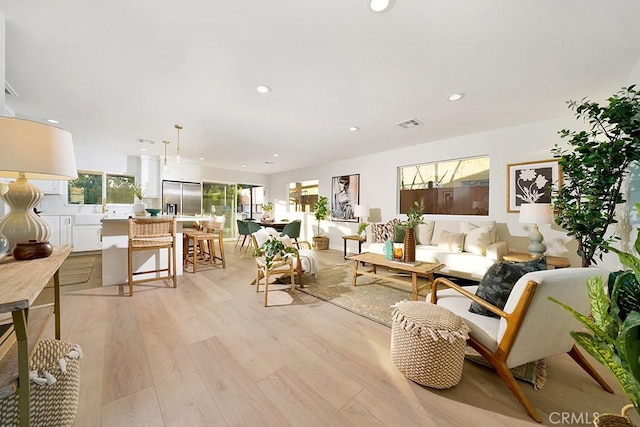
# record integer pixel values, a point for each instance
(378, 179)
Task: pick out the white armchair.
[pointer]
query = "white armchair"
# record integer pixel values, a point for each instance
(530, 327)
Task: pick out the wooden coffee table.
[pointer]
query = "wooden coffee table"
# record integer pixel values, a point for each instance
(422, 269)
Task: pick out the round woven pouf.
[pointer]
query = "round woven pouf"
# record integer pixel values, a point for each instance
(427, 343)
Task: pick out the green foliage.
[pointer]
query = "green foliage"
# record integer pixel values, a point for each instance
(273, 250)
(614, 340)
(321, 210)
(594, 169)
(414, 216)
(362, 226)
(86, 189)
(138, 192)
(267, 207)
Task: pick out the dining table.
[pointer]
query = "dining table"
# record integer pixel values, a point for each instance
(278, 225)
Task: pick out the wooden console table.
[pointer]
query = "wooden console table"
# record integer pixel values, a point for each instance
(20, 284)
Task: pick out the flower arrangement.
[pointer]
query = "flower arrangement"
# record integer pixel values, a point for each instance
(138, 191)
(414, 216)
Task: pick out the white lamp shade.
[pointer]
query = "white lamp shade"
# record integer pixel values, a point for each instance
(39, 151)
(536, 213)
(360, 211)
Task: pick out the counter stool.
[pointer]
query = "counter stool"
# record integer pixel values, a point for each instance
(428, 343)
(150, 234)
(54, 395)
(204, 244)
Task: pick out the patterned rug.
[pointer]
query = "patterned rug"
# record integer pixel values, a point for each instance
(373, 297)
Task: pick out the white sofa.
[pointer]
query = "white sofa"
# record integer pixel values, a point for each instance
(466, 247)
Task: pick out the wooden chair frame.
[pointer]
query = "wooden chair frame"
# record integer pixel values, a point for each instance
(280, 270)
(514, 320)
(298, 263)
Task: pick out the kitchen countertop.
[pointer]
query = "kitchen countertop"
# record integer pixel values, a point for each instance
(181, 218)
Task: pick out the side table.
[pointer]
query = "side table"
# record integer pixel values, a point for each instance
(552, 261)
(355, 238)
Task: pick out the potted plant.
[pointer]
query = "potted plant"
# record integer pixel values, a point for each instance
(321, 210)
(139, 207)
(273, 253)
(362, 227)
(267, 208)
(614, 325)
(414, 217)
(595, 168)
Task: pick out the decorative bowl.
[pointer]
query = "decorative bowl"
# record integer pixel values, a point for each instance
(32, 249)
(153, 212)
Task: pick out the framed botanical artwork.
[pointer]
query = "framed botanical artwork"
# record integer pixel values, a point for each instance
(531, 182)
(345, 194)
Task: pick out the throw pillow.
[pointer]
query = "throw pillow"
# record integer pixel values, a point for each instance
(424, 233)
(477, 240)
(465, 227)
(385, 231)
(398, 233)
(286, 240)
(499, 280)
(452, 242)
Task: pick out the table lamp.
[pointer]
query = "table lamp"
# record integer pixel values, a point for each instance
(36, 151)
(361, 211)
(536, 213)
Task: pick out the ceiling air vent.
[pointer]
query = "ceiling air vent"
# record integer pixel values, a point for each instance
(146, 141)
(408, 124)
(8, 90)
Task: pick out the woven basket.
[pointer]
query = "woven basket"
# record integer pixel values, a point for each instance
(51, 404)
(614, 420)
(428, 343)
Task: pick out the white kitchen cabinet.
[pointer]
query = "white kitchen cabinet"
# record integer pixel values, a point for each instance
(184, 170)
(61, 229)
(87, 238)
(49, 186)
(149, 177)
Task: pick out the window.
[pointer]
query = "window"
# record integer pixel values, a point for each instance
(303, 195)
(455, 187)
(86, 189)
(250, 199)
(120, 188)
(219, 199)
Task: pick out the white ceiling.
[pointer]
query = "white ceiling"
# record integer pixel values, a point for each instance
(115, 71)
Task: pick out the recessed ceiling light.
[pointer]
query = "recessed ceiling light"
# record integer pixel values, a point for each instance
(354, 129)
(55, 122)
(276, 155)
(380, 6)
(142, 149)
(201, 158)
(244, 166)
(456, 96)
(263, 89)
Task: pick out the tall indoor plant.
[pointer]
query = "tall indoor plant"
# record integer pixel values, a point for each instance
(614, 324)
(321, 210)
(414, 217)
(594, 169)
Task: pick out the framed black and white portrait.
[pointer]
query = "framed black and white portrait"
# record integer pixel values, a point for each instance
(345, 194)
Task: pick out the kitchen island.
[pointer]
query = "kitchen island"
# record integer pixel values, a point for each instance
(115, 242)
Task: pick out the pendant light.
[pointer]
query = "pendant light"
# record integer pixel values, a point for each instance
(178, 148)
(165, 166)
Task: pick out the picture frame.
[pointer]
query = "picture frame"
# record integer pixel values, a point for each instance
(345, 194)
(532, 182)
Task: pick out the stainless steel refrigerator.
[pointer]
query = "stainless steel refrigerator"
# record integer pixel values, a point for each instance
(185, 196)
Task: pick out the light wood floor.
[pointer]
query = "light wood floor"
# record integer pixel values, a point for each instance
(208, 353)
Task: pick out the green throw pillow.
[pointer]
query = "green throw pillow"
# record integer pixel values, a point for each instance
(498, 281)
(398, 234)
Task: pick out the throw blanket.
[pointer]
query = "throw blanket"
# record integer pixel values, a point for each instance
(309, 261)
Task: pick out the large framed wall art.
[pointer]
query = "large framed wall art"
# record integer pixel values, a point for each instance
(532, 182)
(345, 194)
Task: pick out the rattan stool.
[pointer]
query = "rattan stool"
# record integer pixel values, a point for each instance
(50, 404)
(427, 343)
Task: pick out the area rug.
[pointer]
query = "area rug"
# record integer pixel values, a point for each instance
(373, 298)
(75, 270)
